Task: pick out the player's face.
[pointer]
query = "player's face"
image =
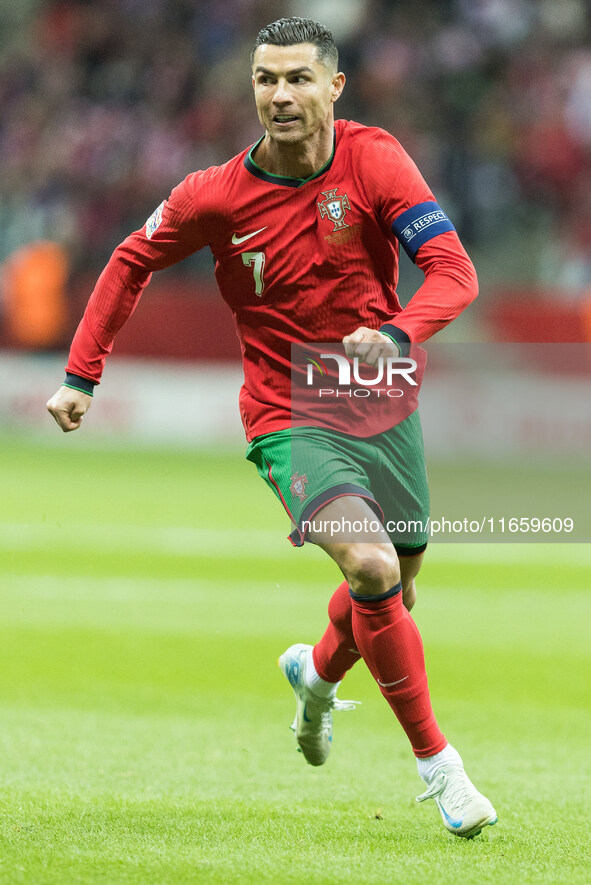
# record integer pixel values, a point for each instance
(294, 92)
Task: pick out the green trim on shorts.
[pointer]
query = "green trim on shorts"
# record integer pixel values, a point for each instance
(306, 467)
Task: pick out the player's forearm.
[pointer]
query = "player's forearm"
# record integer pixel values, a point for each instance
(450, 286)
(112, 302)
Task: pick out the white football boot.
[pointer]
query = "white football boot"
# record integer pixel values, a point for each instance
(313, 719)
(463, 809)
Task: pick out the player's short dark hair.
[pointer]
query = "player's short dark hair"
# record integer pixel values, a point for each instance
(291, 31)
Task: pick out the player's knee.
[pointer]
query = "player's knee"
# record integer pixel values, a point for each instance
(372, 569)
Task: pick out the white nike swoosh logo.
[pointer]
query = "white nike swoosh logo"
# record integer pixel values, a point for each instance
(236, 239)
(388, 684)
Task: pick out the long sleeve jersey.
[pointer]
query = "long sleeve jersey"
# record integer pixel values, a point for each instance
(298, 261)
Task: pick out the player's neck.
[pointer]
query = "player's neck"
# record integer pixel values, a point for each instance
(300, 160)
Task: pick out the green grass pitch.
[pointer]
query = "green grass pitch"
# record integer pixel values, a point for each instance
(144, 599)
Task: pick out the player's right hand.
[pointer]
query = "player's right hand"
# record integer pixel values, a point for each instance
(68, 407)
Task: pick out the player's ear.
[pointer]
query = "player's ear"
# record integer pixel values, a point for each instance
(338, 84)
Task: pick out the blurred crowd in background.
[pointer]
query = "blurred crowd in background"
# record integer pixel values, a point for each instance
(106, 104)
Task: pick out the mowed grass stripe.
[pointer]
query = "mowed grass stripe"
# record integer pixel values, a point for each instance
(159, 540)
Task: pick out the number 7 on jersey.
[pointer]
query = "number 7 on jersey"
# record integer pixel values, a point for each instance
(256, 260)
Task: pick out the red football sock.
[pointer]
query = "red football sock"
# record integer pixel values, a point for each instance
(336, 652)
(392, 648)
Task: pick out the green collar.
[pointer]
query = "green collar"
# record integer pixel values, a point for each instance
(283, 180)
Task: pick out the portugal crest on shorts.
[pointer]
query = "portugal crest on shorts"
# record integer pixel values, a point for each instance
(299, 481)
(334, 207)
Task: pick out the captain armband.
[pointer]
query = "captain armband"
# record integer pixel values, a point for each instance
(419, 224)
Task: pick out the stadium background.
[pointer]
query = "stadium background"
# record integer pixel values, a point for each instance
(131, 551)
(105, 106)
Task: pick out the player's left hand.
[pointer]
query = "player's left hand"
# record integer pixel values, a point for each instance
(369, 345)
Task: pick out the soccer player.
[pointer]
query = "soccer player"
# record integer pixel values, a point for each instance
(305, 227)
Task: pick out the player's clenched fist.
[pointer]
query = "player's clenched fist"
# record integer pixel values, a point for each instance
(369, 345)
(68, 407)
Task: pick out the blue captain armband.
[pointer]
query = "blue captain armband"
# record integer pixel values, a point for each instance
(419, 224)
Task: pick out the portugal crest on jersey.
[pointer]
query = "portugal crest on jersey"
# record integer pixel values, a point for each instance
(334, 207)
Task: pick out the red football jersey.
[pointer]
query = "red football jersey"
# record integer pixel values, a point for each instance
(298, 262)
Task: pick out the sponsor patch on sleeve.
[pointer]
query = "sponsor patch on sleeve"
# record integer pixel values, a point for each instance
(154, 221)
(419, 224)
